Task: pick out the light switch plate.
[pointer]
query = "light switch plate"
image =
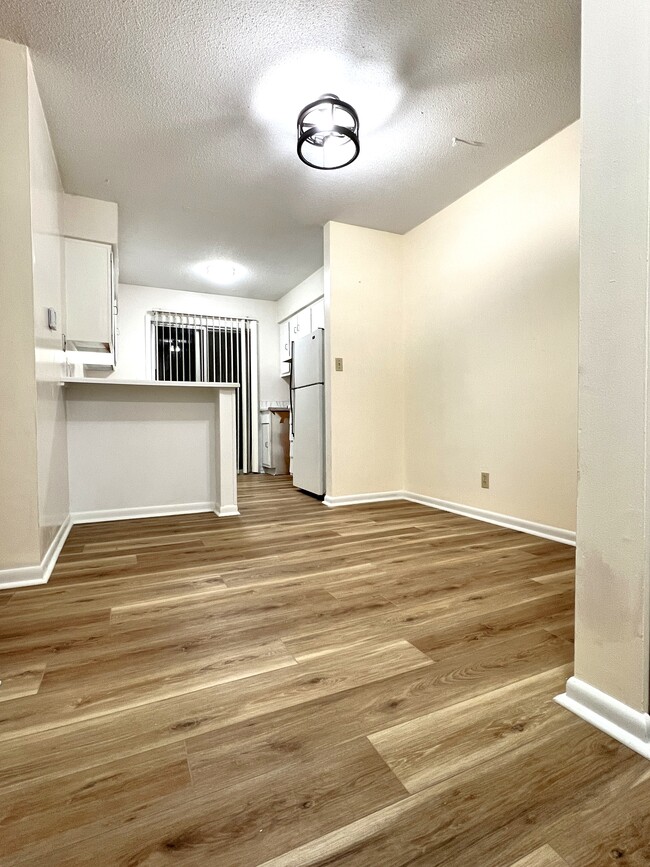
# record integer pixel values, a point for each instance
(338, 364)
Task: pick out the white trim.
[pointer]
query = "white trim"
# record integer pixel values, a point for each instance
(358, 499)
(623, 723)
(255, 396)
(555, 534)
(140, 512)
(147, 383)
(29, 576)
(149, 344)
(227, 512)
(23, 576)
(52, 553)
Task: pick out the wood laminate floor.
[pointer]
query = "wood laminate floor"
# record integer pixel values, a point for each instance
(369, 686)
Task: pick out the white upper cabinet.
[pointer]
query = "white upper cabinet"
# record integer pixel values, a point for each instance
(318, 314)
(301, 323)
(89, 294)
(285, 348)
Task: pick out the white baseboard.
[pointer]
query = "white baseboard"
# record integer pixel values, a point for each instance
(52, 555)
(227, 511)
(29, 576)
(555, 534)
(359, 499)
(99, 515)
(630, 727)
(22, 576)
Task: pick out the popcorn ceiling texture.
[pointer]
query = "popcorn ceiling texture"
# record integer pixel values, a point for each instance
(150, 104)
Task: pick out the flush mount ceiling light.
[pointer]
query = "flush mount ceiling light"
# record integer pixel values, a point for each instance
(220, 271)
(328, 133)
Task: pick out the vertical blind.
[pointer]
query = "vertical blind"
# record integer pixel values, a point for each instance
(188, 347)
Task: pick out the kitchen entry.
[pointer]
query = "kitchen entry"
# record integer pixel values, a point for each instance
(188, 347)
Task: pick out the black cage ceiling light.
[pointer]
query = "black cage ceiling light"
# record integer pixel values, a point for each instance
(328, 133)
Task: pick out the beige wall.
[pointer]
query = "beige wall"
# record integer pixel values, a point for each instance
(363, 323)
(19, 535)
(484, 379)
(48, 287)
(491, 326)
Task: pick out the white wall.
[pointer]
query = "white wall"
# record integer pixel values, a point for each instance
(136, 301)
(302, 295)
(491, 337)
(365, 406)
(612, 571)
(19, 536)
(48, 287)
(89, 219)
(33, 456)
(136, 431)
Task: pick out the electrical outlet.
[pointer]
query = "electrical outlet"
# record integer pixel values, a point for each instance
(338, 364)
(485, 480)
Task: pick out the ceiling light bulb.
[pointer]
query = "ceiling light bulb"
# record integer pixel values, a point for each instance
(221, 272)
(324, 120)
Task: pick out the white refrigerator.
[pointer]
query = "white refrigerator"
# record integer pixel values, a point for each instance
(308, 412)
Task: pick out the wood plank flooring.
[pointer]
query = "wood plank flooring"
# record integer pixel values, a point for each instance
(369, 686)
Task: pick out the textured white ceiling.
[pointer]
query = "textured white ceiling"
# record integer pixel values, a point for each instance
(184, 113)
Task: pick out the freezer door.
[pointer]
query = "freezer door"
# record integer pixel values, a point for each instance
(307, 360)
(309, 439)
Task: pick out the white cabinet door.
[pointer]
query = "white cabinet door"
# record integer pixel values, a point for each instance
(300, 324)
(89, 293)
(266, 443)
(304, 322)
(285, 348)
(318, 314)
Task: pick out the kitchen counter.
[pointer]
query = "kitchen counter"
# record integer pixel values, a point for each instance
(139, 448)
(89, 380)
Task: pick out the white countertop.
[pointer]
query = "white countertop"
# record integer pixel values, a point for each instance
(87, 380)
